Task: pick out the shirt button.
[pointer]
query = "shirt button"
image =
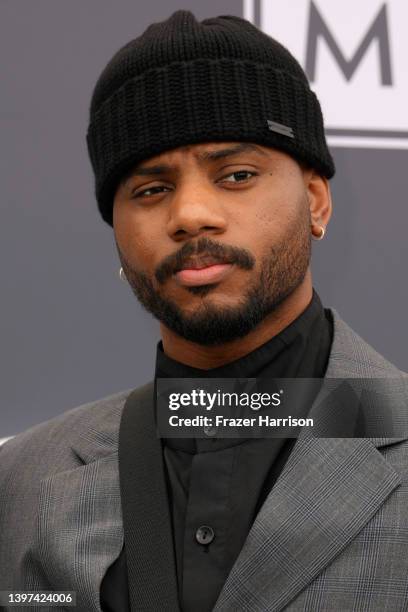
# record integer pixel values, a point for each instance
(205, 534)
(210, 430)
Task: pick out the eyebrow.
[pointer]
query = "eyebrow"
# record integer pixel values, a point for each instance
(204, 156)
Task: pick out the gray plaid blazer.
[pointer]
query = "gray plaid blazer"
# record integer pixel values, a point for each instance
(331, 536)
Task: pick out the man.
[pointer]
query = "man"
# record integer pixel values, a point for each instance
(211, 166)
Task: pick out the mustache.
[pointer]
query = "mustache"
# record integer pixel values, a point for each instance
(204, 247)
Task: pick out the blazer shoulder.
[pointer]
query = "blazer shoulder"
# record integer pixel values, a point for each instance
(352, 356)
(49, 443)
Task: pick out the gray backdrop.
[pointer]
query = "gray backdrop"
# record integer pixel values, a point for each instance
(71, 331)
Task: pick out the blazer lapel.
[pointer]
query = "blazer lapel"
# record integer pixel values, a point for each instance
(146, 514)
(80, 524)
(327, 492)
(107, 502)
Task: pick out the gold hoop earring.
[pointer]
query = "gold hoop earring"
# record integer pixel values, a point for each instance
(322, 233)
(122, 275)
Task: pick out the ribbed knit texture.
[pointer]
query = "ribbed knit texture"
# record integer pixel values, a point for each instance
(183, 82)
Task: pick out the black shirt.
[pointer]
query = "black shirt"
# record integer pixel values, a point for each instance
(217, 486)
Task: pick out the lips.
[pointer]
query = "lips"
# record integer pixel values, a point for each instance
(197, 263)
(203, 276)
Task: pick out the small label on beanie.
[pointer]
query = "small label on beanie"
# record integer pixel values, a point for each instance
(280, 128)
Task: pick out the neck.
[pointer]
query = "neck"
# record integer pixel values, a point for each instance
(207, 357)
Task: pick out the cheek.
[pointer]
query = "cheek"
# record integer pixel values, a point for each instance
(135, 241)
(281, 203)
(273, 217)
(277, 219)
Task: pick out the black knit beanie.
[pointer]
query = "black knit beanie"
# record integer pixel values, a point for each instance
(183, 82)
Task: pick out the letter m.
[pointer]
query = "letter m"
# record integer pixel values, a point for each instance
(378, 30)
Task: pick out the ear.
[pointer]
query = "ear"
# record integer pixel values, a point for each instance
(319, 198)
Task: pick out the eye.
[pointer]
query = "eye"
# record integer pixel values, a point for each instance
(241, 174)
(144, 192)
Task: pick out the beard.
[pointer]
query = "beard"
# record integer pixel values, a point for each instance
(282, 270)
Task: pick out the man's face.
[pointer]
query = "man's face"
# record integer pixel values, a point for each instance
(249, 207)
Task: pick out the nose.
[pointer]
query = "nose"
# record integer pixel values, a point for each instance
(195, 208)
